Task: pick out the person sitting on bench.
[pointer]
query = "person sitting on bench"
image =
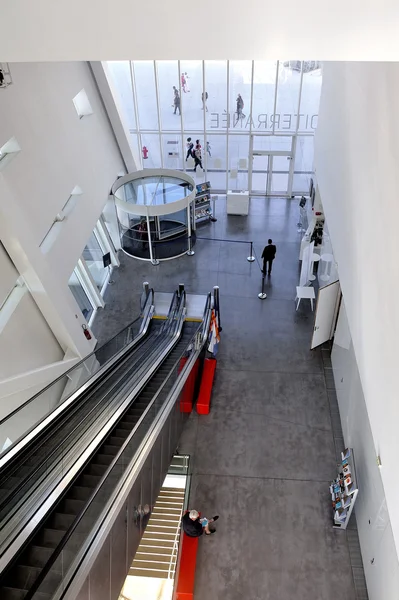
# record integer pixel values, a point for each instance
(193, 526)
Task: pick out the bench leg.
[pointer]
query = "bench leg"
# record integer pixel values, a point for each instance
(311, 303)
(297, 304)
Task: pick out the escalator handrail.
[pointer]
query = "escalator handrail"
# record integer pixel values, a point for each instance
(68, 534)
(28, 436)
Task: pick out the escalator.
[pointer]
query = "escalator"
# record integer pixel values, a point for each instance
(38, 568)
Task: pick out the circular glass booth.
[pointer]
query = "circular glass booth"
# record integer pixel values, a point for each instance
(154, 214)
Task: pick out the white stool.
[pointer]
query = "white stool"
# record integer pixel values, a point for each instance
(315, 258)
(304, 292)
(327, 259)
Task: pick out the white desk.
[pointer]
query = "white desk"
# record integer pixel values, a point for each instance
(237, 203)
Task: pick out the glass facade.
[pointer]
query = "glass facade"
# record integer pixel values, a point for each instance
(93, 257)
(80, 295)
(245, 114)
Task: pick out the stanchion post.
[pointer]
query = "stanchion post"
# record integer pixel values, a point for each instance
(190, 251)
(262, 294)
(251, 257)
(110, 281)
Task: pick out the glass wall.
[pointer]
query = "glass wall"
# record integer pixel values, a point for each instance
(93, 257)
(80, 295)
(229, 106)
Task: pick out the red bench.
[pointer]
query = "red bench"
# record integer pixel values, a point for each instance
(204, 397)
(187, 394)
(187, 563)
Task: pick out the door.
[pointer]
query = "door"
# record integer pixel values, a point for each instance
(279, 175)
(260, 171)
(328, 299)
(271, 165)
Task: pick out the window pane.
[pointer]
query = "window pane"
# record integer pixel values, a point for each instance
(216, 86)
(289, 81)
(303, 167)
(191, 93)
(93, 257)
(150, 149)
(216, 162)
(172, 151)
(146, 94)
(122, 87)
(238, 162)
(269, 143)
(168, 78)
(240, 73)
(310, 97)
(80, 296)
(263, 94)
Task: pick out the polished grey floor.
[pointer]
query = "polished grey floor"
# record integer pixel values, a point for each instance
(265, 455)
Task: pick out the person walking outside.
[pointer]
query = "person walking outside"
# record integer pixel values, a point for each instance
(193, 526)
(183, 83)
(208, 149)
(206, 98)
(240, 106)
(176, 100)
(198, 156)
(268, 255)
(190, 148)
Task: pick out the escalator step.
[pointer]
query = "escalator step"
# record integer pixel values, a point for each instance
(60, 521)
(50, 538)
(105, 459)
(110, 450)
(71, 506)
(24, 577)
(124, 425)
(78, 492)
(121, 432)
(88, 480)
(95, 469)
(116, 441)
(37, 556)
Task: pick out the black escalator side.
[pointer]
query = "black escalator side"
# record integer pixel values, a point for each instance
(23, 574)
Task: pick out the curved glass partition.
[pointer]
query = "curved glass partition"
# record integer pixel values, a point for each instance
(154, 214)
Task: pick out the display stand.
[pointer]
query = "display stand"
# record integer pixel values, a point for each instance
(314, 258)
(202, 205)
(344, 490)
(237, 203)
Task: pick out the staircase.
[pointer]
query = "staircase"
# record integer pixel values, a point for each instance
(157, 553)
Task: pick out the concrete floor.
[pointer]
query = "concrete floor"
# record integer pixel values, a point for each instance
(265, 455)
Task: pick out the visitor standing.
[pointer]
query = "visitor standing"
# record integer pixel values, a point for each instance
(268, 255)
(193, 526)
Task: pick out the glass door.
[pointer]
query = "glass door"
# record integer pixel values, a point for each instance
(280, 182)
(259, 174)
(271, 165)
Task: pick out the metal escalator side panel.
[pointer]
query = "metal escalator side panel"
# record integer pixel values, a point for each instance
(27, 438)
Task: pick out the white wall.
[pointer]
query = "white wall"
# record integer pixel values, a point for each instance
(356, 158)
(58, 152)
(375, 531)
(76, 30)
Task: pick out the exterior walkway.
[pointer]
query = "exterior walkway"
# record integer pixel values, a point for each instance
(264, 457)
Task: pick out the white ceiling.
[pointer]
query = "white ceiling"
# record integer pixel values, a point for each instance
(206, 29)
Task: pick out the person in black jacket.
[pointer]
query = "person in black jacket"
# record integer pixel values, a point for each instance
(268, 255)
(193, 526)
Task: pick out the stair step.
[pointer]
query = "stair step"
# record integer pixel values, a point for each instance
(148, 540)
(153, 557)
(110, 449)
(71, 506)
(96, 469)
(146, 573)
(78, 492)
(167, 529)
(152, 549)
